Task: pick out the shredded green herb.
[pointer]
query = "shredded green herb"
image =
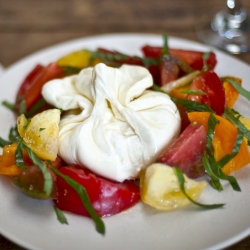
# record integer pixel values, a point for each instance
(235, 151)
(22, 107)
(233, 117)
(13, 134)
(213, 168)
(158, 89)
(165, 49)
(8, 105)
(4, 143)
(48, 181)
(81, 191)
(116, 59)
(240, 89)
(19, 156)
(214, 180)
(60, 216)
(39, 104)
(205, 57)
(68, 70)
(190, 106)
(181, 181)
(193, 92)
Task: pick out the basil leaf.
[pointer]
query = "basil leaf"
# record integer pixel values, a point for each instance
(205, 57)
(48, 181)
(240, 89)
(35, 108)
(181, 181)
(22, 107)
(235, 150)
(60, 216)
(158, 89)
(189, 105)
(192, 106)
(13, 134)
(213, 168)
(165, 49)
(19, 156)
(8, 105)
(217, 171)
(81, 191)
(69, 70)
(212, 122)
(116, 58)
(193, 92)
(149, 61)
(4, 143)
(214, 181)
(230, 115)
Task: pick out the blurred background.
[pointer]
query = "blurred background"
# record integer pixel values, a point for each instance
(30, 25)
(27, 25)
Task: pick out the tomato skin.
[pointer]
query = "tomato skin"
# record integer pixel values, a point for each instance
(169, 69)
(31, 87)
(192, 58)
(25, 86)
(187, 151)
(107, 197)
(209, 83)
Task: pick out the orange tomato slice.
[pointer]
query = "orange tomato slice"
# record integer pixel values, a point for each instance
(231, 93)
(8, 161)
(223, 142)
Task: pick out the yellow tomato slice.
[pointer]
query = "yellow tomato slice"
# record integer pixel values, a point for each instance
(78, 59)
(159, 188)
(223, 142)
(8, 161)
(41, 133)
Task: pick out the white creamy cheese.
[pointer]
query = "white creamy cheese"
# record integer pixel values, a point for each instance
(112, 125)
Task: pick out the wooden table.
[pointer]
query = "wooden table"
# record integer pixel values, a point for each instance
(27, 26)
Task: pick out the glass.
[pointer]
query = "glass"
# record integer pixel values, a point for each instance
(228, 29)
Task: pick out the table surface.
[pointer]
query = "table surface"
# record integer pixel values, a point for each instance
(27, 26)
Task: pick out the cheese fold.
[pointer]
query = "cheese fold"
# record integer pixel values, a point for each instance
(112, 123)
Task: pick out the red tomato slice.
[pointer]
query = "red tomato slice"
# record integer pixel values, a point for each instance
(187, 151)
(25, 86)
(107, 197)
(192, 58)
(31, 87)
(209, 83)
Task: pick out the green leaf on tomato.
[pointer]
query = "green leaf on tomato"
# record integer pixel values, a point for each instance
(81, 191)
(212, 167)
(240, 89)
(48, 181)
(181, 181)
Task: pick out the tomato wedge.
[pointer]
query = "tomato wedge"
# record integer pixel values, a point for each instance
(192, 58)
(210, 84)
(107, 197)
(223, 142)
(187, 151)
(31, 87)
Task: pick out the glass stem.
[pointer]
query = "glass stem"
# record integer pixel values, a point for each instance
(234, 7)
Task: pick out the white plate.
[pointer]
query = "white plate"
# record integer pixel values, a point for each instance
(33, 224)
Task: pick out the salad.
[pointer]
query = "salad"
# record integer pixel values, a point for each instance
(204, 103)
